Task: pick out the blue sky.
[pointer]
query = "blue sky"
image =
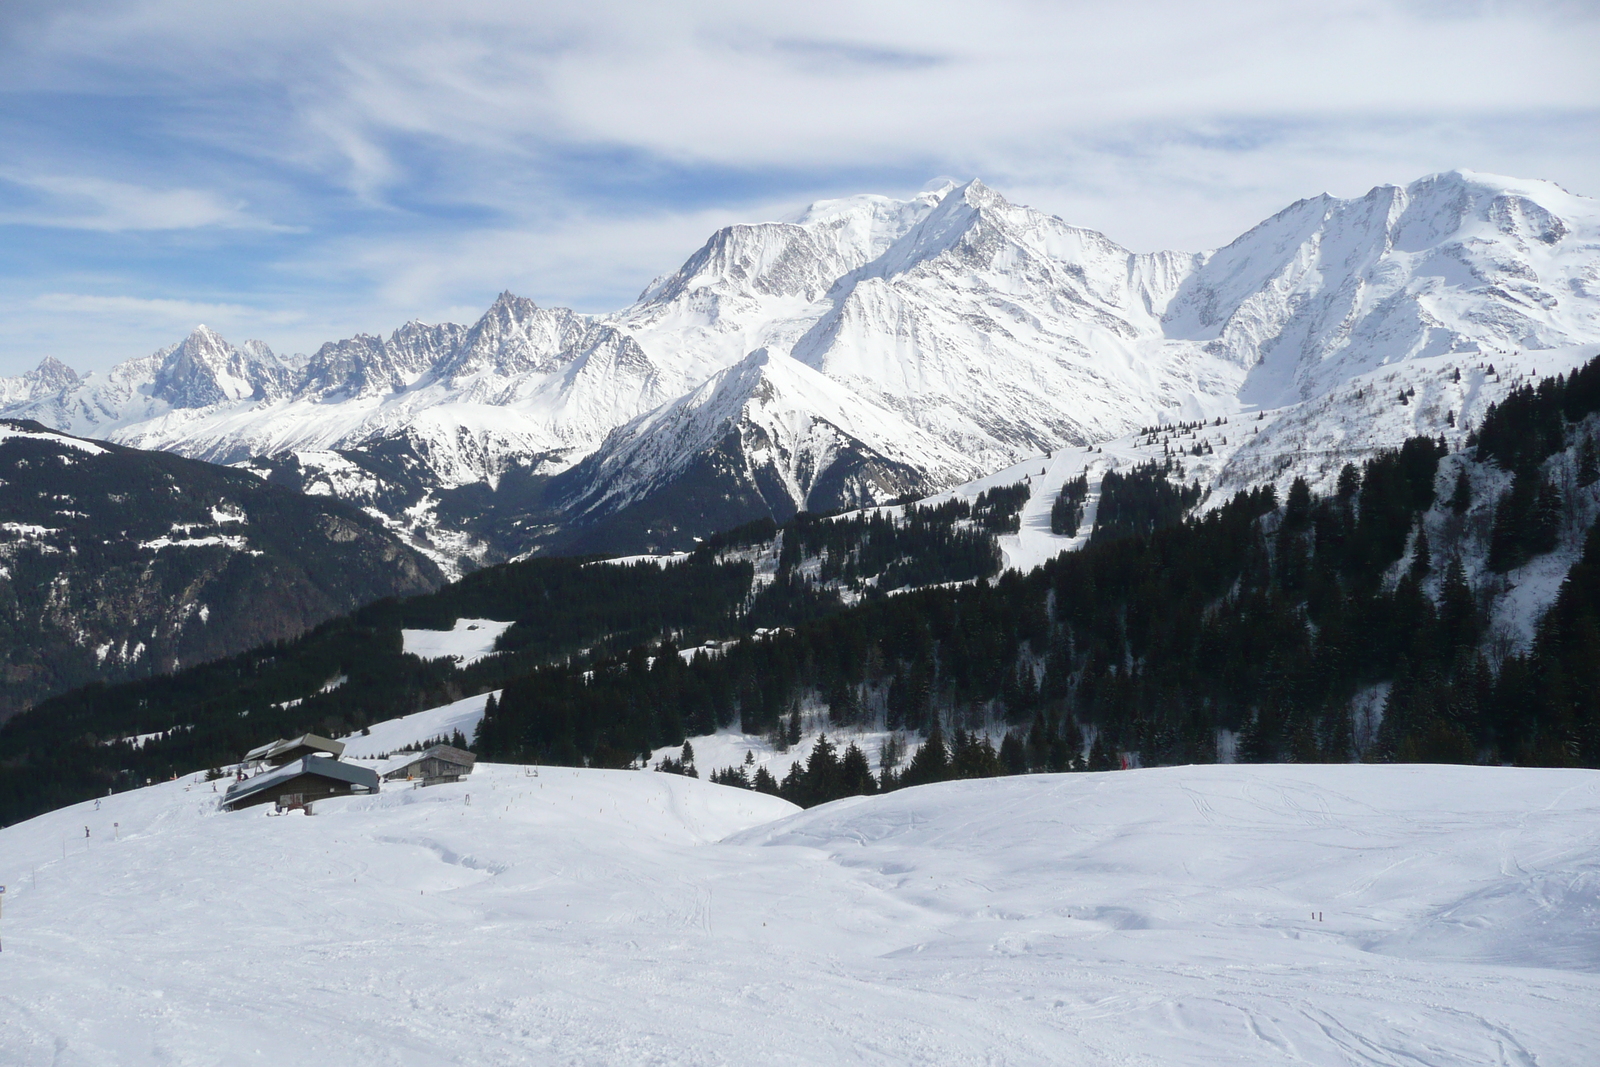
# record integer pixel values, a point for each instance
(299, 171)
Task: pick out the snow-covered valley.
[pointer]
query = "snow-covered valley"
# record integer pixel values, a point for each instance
(1341, 914)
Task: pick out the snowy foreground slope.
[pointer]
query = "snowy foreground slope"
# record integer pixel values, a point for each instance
(610, 917)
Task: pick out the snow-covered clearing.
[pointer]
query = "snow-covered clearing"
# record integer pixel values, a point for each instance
(659, 560)
(728, 748)
(390, 736)
(468, 642)
(16, 432)
(394, 735)
(607, 917)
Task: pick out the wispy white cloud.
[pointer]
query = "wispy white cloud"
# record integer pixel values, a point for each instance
(751, 85)
(159, 309)
(434, 154)
(77, 202)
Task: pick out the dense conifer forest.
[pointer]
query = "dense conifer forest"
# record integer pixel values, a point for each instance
(69, 747)
(1143, 500)
(1258, 630)
(1066, 513)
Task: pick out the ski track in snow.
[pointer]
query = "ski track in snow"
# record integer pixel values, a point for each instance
(604, 917)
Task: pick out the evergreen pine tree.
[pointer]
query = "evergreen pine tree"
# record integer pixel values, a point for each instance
(1349, 482)
(1297, 508)
(973, 757)
(1067, 751)
(1588, 463)
(1013, 754)
(821, 782)
(1544, 531)
(793, 785)
(931, 763)
(1461, 497)
(855, 775)
(1421, 554)
(1458, 611)
(890, 753)
(1517, 522)
(1101, 755)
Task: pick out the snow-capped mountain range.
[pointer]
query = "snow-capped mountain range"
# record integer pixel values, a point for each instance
(864, 349)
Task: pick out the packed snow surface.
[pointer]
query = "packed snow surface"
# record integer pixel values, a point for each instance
(1199, 915)
(467, 642)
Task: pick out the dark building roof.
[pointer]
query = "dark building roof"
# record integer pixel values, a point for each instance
(293, 748)
(320, 766)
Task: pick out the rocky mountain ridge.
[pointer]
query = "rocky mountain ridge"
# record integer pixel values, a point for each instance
(960, 320)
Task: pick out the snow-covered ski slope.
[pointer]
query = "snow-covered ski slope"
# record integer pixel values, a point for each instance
(622, 917)
(1273, 446)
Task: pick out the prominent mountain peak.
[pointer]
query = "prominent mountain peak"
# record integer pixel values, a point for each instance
(202, 341)
(980, 195)
(510, 305)
(766, 435)
(50, 379)
(800, 256)
(1453, 262)
(514, 337)
(203, 369)
(51, 373)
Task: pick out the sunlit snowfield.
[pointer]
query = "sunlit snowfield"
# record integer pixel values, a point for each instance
(615, 917)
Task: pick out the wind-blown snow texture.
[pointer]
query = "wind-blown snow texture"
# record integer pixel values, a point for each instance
(604, 917)
(966, 333)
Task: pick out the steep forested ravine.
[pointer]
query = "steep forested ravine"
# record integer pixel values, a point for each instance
(118, 563)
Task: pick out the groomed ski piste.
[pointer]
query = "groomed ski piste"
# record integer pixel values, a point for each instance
(1318, 914)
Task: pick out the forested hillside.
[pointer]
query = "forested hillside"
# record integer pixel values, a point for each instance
(353, 670)
(1311, 629)
(1378, 622)
(118, 563)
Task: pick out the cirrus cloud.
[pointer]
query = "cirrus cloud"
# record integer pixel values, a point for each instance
(361, 162)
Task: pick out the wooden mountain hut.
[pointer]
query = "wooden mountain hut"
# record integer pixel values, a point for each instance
(433, 766)
(307, 779)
